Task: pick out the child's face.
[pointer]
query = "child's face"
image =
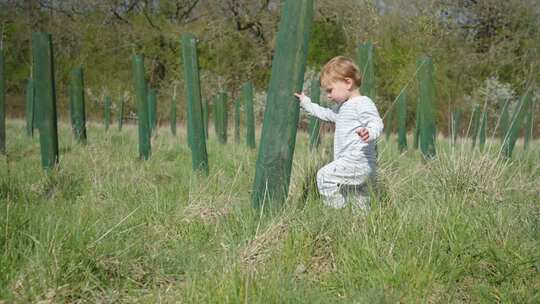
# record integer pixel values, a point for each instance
(339, 91)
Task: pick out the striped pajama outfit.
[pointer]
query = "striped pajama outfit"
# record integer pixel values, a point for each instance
(355, 161)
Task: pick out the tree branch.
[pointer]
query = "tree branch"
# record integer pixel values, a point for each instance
(145, 13)
(187, 12)
(254, 27)
(45, 5)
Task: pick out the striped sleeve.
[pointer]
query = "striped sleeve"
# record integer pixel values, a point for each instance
(315, 110)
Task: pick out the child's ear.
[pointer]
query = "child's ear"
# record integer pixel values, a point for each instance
(349, 82)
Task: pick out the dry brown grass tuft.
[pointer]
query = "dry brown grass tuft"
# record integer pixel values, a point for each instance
(199, 210)
(323, 259)
(257, 251)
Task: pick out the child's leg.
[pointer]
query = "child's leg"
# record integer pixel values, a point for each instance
(335, 174)
(328, 184)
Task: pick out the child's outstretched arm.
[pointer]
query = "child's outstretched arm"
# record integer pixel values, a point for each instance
(316, 110)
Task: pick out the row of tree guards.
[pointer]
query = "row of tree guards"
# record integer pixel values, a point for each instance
(275, 155)
(508, 126)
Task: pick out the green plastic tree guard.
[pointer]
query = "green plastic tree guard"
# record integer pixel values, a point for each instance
(483, 129)
(314, 123)
(389, 123)
(504, 117)
(417, 126)
(247, 93)
(2, 104)
(220, 117)
(30, 107)
(274, 161)
(401, 110)
(78, 105)
(189, 127)
(205, 110)
(516, 124)
(121, 113)
(365, 63)
(173, 113)
(45, 92)
(426, 90)
(475, 124)
(529, 126)
(457, 114)
(152, 110)
(142, 107)
(237, 120)
(71, 97)
(197, 140)
(216, 115)
(225, 114)
(107, 112)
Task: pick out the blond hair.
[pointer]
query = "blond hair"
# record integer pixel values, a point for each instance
(339, 68)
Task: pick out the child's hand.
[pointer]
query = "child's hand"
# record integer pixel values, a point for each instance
(363, 133)
(300, 96)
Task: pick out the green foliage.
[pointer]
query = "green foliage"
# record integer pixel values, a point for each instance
(395, 65)
(365, 63)
(328, 40)
(16, 44)
(222, 57)
(235, 48)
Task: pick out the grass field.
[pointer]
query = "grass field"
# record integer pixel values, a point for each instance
(106, 227)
